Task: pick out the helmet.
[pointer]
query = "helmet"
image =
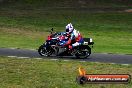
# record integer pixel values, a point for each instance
(69, 28)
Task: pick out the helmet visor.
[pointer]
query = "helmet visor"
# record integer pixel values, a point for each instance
(67, 30)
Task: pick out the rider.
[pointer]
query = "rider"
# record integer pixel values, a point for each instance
(74, 35)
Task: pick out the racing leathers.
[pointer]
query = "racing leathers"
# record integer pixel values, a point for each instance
(75, 39)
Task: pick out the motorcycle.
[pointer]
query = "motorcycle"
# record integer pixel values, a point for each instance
(53, 46)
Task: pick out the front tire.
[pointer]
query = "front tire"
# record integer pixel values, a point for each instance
(43, 51)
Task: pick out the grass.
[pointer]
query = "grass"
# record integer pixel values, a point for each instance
(21, 39)
(111, 31)
(44, 73)
(27, 27)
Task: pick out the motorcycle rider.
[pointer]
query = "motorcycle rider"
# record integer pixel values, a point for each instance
(75, 38)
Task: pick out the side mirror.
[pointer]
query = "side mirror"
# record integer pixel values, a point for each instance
(51, 30)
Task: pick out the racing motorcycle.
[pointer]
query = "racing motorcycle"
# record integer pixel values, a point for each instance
(53, 46)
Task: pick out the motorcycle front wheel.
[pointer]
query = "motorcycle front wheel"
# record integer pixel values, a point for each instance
(43, 51)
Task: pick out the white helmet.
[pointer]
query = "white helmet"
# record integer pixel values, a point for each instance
(69, 28)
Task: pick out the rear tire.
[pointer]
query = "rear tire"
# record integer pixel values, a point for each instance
(83, 53)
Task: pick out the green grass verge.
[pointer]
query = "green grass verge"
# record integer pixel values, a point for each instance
(22, 27)
(111, 32)
(44, 73)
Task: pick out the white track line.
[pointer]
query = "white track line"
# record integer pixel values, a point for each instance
(54, 59)
(13, 48)
(66, 60)
(32, 49)
(112, 63)
(125, 64)
(23, 57)
(38, 58)
(20, 48)
(82, 61)
(12, 56)
(57, 59)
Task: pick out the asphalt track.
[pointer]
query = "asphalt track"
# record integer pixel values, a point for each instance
(95, 57)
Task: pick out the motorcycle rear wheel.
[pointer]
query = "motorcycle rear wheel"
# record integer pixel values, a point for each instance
(83, 54)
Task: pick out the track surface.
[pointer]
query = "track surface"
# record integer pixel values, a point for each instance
(96, 57)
